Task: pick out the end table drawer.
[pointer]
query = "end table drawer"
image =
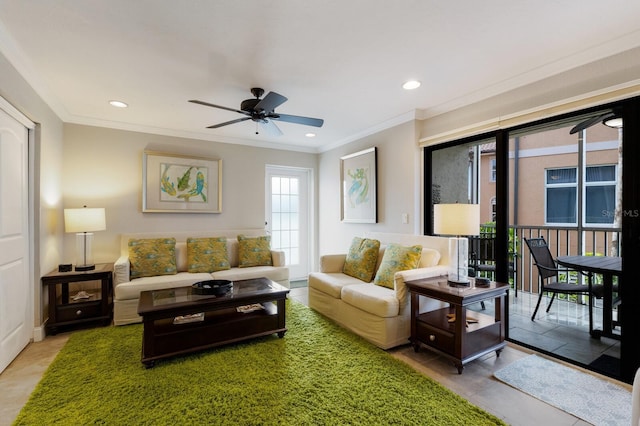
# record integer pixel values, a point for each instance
(436, 337)
(77, 311)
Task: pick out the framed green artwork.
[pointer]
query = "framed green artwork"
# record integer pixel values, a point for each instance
(173, 183)
(358, 189)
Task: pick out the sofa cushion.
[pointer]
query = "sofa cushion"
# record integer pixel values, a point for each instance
(132, 289)
(331, 283)
(396, 258)
(207, 254)
(361, 259)
(429, 257)
(274, 273)
(254, 251)
(152, 256)
(376, 300)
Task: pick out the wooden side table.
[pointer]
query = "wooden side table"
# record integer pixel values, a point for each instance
(451, 331)
(68, 310)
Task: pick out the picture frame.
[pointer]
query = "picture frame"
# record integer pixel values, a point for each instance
(358, 187)
(174, 183)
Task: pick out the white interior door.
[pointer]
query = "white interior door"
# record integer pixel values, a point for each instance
(16, 295)
(288, 216)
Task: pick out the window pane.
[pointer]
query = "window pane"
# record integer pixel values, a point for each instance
(286, 203)
(293, 188)
(285, 221)
(561, 205)
(557, 176)
(275, 239)
(275, 185)
(600, 201)
(286, 239)
(601, 174)
(275, 203)
(294, 203)
(285, 185)
(275, 221)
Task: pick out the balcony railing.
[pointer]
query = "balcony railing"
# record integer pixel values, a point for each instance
(562, 241)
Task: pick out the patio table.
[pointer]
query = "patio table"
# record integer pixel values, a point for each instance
(607, 266)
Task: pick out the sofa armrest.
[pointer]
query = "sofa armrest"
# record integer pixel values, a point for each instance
(121, 270)
(401, 277)
(332, 262)
(277, 258)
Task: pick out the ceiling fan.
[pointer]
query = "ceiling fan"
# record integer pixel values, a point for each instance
(262, 111)
(607, 118)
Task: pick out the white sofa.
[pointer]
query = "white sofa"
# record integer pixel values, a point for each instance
(126, 292)
(381, 315)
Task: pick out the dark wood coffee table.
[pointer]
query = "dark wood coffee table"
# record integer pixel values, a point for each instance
(177, 321)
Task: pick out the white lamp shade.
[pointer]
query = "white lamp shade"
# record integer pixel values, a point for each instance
(456, 219)
(84, 220)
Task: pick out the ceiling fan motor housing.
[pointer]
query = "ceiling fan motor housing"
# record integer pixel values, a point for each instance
(248, 105)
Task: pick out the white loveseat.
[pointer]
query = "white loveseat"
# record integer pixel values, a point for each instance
(379, 314)
(126, 292)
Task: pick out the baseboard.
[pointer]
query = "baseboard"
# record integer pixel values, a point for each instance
(39, 333)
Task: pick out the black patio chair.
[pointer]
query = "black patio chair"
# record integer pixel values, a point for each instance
(548, 272)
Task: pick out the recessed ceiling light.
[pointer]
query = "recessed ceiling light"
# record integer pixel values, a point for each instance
(411, 84)
(310, 135)
(118, 104)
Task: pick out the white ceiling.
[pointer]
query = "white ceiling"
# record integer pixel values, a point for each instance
(340, 60)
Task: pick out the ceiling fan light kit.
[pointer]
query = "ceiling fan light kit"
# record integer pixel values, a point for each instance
(615, 122)
(610, 118)
(262, 112)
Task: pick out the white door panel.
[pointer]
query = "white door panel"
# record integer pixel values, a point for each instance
(288, 216)
(16, 303)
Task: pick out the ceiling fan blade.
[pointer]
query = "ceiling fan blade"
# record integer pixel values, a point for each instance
(270, 102)
(270, 128)
(226, 123)
(308, 121)
(218, 106)
(590, 122)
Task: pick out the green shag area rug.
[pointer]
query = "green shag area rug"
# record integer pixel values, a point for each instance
(318, 374)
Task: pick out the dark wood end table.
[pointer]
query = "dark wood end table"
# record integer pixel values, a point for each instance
(65, 311)
(451, 331)
(177, 321)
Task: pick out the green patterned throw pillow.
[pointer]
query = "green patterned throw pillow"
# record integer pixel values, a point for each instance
(361, 259)
(152, 256)
(396, 258)
(207, 254)
(254, 251)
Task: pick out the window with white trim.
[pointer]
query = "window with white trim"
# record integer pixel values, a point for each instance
(561, 193)
(492, 170)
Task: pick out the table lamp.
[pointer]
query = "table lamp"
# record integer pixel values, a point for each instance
(459, 220)
(83, 222)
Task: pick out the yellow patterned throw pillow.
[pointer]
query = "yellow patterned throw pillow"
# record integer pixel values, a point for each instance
(254, 251)
(207, 254)
(396, 258)
(361, 259)
(152, 256)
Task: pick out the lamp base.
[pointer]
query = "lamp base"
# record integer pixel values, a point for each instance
(85, 267)
(460, 283)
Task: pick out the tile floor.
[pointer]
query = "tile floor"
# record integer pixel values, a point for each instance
(476, 384)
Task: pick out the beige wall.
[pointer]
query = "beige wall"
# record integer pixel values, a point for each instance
(103, 168)
(399, 188)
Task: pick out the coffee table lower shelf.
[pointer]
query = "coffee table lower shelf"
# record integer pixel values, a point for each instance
(165, 339)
